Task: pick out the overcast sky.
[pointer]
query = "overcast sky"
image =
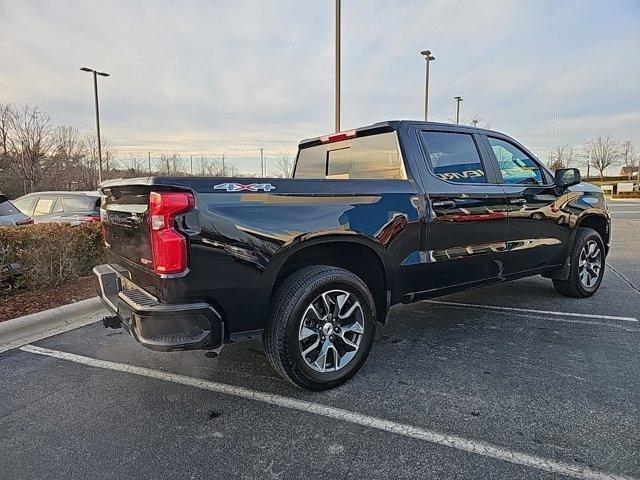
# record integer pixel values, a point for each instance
(233, 75)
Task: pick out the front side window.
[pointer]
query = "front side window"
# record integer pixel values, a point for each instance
(370, 157)
(515, 165)
(454, 157)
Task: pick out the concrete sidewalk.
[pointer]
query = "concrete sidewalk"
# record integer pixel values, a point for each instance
(19, 331)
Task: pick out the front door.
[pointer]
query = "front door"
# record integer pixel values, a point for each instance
(538, 230)
(466, 233)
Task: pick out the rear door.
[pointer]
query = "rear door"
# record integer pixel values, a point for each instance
(43, 211)
(538, 230)
(466, 233)
(73, 208)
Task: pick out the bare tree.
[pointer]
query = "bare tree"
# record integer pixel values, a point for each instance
(210, 166)
(63, 164)
(6, 114)
(629, 157)
(603, 151)
(283, 166)
(134, 165)
(561, 156)
(171, 163)
(476, 120)
(229, 169)
(30, 140)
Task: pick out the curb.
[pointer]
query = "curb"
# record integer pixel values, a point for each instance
(19, 331)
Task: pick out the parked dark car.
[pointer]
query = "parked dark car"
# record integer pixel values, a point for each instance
(61, 207)
(390, 213)
(10, 215)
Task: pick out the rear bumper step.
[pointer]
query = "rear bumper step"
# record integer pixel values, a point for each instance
(155, 325)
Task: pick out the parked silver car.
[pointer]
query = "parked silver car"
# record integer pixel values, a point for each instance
(61, 207)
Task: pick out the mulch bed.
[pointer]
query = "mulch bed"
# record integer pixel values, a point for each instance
(22, 302)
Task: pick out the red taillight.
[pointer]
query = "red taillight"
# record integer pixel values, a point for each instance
(338, 137)
(89, 218)
(168, 247)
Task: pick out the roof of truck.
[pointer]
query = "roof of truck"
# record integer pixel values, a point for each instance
(388, 125)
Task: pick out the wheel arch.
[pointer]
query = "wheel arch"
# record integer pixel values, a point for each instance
(356, 254)
(600, 224)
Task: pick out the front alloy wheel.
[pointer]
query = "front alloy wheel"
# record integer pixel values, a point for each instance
(586, 265)
(590, 264)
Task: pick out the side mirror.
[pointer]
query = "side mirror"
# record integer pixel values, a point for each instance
(565, 177)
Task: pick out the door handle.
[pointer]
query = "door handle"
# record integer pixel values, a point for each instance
(444, 204)
(518, 201)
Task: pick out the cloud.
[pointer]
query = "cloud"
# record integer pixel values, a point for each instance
(231, 76)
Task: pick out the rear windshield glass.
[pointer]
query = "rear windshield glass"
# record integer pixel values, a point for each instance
(6, 208)
(371, 157)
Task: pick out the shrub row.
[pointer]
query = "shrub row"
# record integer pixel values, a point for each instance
(50, 254)
(627, 195)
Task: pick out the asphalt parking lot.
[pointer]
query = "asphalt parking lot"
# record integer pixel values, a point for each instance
(509, 381)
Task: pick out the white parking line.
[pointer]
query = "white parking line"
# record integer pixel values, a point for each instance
(530, 310)
(453, 441)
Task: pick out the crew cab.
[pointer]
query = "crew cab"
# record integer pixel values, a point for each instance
(390, 213)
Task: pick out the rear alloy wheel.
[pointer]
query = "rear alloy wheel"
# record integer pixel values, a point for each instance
(321, 327)
(330, 331)
(587, 265)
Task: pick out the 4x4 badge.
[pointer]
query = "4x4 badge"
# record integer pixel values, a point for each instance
(240, 187)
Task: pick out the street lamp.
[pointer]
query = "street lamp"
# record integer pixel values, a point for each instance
(458, 100)
(337, 69)
(261, 160)
(95, 93)
(428, 57)
(149, 157)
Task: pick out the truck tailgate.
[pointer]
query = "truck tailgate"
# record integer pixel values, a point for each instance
(126, 223)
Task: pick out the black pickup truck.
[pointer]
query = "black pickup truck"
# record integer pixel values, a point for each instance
(390, 213)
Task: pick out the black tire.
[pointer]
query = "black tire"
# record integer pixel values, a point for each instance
(573, 286)
(291, 301)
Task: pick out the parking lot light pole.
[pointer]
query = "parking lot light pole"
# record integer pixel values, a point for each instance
(458, 100)
(428, 57)
(149, 157)
(95, 94)
(261, 161)
(337, 68)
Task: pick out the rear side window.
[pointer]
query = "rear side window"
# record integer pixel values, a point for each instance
(44, 206)
(74, 204)
(6, 208)
(371, 157)
(454, 157)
